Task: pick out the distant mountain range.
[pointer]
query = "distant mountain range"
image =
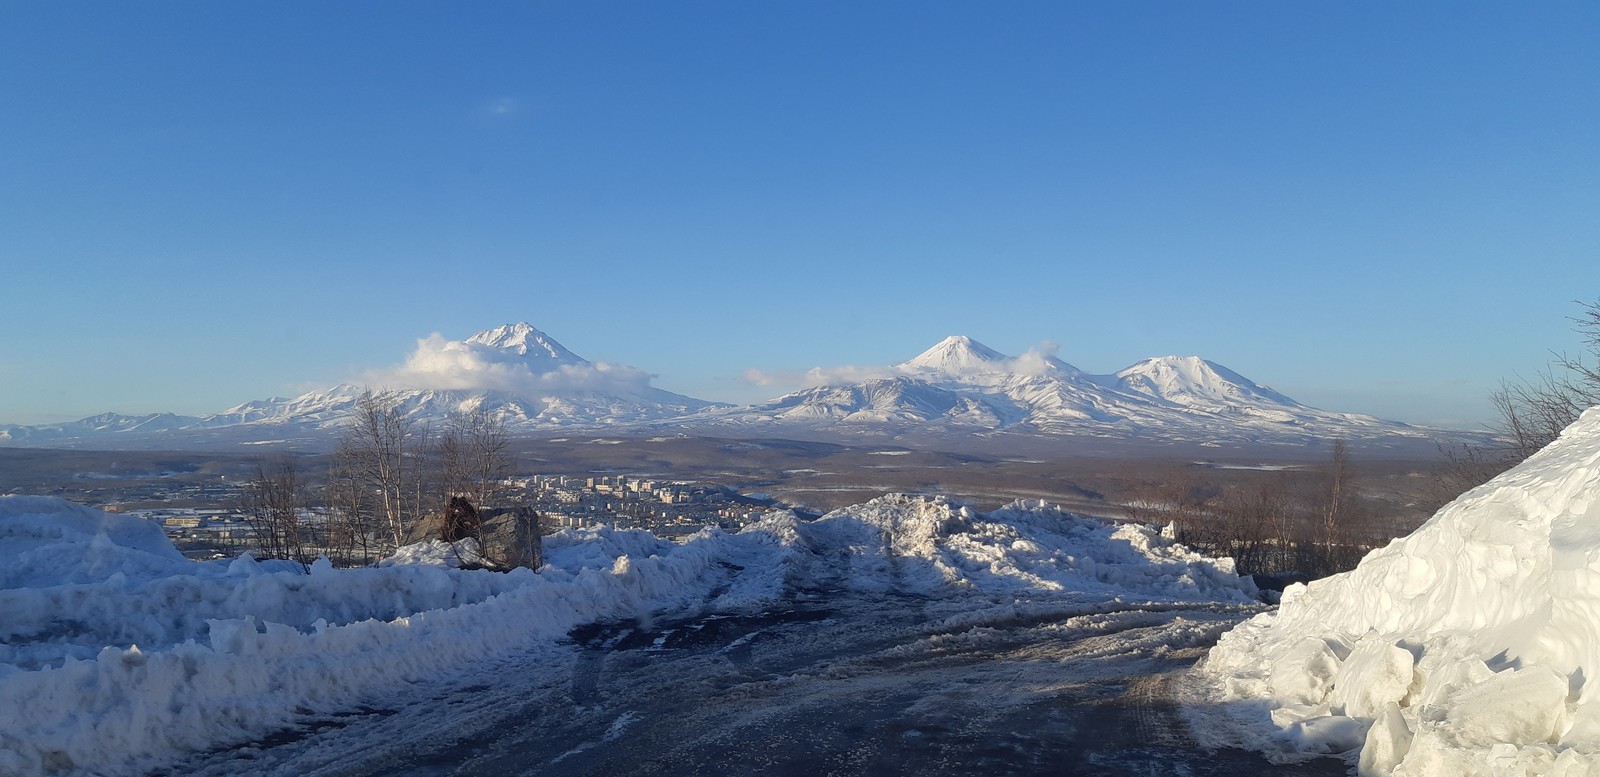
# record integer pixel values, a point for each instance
(542, 386)
(962, 386)
(957, 388)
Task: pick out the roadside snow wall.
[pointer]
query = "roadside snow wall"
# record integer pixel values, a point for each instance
(118, 655)
(1470, 647)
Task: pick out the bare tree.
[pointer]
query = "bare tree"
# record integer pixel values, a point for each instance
(1533, 412)
(1178, 496)
(384, 449)
(473, 466)
(1465, 466)
(1337, 535)
(1336, 494)
(352, 527)
(1257, 525)
(273, 503)
(491, 464)
(473, 456)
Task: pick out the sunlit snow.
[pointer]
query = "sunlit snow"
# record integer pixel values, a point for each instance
(1466, 648)
(116, 654)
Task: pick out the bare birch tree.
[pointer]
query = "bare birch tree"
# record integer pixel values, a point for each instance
(353, 529)
(1256, 525)
(1177, 495)
(473, 455)
(1338, 527)
(385, 448)
(473, 464)
(273, 502)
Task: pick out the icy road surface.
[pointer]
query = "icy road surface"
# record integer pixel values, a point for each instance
(902, 635)
(824, 683)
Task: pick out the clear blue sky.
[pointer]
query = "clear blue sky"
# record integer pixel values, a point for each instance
(1373, 207)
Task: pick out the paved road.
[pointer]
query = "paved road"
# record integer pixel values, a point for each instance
(830, 683)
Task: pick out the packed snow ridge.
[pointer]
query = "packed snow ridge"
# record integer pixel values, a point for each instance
(118, 655)
(1469, 647)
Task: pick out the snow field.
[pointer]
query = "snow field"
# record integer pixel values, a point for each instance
(116, 654)
(1462, 649)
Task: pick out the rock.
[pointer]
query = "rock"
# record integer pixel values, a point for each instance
(460, 520)
(511, 537)
(508, 537)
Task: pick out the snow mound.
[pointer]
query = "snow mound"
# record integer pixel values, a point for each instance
(118, 655)
(1462, 649)
(48, 541)
(438, 553)
(930, 546)
(107, 671)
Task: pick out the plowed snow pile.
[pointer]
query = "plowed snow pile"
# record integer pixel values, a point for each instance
(117, 654)
(1466, 648)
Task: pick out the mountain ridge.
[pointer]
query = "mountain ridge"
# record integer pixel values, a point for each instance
(956, 388)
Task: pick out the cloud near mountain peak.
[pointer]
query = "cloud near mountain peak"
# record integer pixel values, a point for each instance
(443, 364)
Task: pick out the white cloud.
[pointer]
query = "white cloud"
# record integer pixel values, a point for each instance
(1039, 360)
(816, 376)
(504, 106)
(438, 363)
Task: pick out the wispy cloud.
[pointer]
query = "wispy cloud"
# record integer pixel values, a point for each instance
(1038, 360)
(816, 376)
(504, 106)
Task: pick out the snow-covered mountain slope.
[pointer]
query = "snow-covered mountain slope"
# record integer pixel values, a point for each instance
(525, 341)
(516, 370)
(534, 382)
(961, 386)
(332, 408)
(957, 354)
(1194, 382)
(955, 389)
(961, 359)
(94, 426)
(886, 400)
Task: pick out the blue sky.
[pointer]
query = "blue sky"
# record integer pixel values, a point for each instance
(1372, 207)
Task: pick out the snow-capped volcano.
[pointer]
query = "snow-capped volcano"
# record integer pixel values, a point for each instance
(951, 391)
(524, 340)
(956, 354)
(881, 401)
(515, 370)
(962, 358)
(961, 386)
(1194, 382)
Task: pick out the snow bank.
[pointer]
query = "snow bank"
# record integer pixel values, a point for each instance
(931, 547)
(116, 653)
(438, 553)
(1462, 649)
(46, 541)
